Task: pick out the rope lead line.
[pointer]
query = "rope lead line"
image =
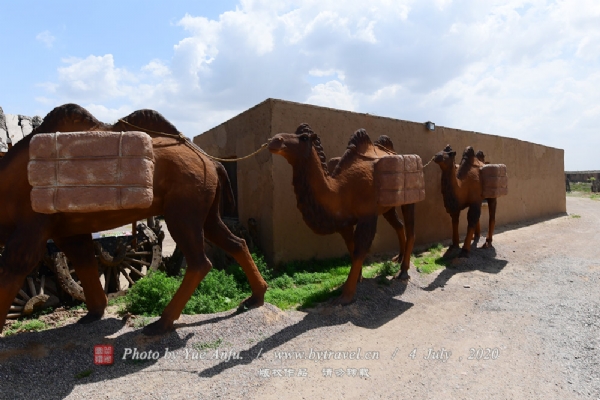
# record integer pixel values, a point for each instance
(193, 145)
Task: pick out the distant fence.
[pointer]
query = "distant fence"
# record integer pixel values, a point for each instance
(581, 176)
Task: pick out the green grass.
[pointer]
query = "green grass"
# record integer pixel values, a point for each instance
(584, 187)
(32, 325)
(575, 216)
(298, 284)
(431, 259)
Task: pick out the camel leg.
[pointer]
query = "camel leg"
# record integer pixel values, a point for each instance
(477, 234)
(185, 221)
(218, 233)
(348, 235)
(492, 224)
(22, 252)
(80, 251)
(408, 213)
(391, 217)
(472, 219)
(363, 237)
(455, 237)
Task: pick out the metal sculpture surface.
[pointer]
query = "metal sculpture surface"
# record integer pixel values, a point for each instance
(343, 195)
(187, 186)
(467, 185)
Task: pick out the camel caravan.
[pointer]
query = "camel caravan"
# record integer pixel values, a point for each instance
(74, 175)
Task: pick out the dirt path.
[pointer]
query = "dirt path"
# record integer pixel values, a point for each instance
(530, 306)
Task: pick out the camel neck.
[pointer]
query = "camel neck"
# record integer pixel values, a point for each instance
(450, 188)
(314, 189)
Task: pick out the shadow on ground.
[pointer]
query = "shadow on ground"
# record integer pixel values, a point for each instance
(483, 260)
(53, 362)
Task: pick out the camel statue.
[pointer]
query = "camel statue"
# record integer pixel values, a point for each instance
(463, 186)
(341, 195)
(186, 190)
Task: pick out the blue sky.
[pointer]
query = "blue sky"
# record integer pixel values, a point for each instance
(523, 69)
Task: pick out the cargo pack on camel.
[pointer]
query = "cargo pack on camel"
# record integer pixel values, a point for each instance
(186, 186)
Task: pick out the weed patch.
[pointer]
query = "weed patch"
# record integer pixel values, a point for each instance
(32, 325)
(208, 345)
(431, 259)
(84, 374)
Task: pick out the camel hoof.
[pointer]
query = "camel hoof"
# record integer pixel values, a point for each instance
(402, 276)
(251, 302)
(463, 254)
(157, 328)
(90, 317)
(397, 258)
(487, 245)
(451, 250)
(476, 240)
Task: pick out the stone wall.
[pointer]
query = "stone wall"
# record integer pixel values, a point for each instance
(15, 127)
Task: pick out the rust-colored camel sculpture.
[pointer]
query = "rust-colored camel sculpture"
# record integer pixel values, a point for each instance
(186, 186)
(340, 195)
(462, 187)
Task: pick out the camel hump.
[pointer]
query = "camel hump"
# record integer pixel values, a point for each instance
(386, 142)
(147, 120)
(67, 118)
(468, 159)
(360, 141)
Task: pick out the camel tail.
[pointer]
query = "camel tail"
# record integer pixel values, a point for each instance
(226, 189)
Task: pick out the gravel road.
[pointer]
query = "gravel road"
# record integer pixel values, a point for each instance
(520, 321)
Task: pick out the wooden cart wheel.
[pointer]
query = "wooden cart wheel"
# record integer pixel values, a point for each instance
(29, 298)
(65, 275)
(128, 264)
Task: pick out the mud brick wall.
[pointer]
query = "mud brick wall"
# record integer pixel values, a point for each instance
(536, 185)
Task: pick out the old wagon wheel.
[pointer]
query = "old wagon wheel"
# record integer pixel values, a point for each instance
(29, 298)
(65, 277)
(130, 260)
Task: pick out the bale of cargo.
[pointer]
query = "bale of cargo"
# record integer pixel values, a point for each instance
(494, 181)
(90, 171)
(399, 180)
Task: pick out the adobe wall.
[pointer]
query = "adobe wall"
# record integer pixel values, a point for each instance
(536, 175)
(236, 138)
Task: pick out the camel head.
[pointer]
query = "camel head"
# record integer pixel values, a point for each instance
(296, 147)
(445, 158)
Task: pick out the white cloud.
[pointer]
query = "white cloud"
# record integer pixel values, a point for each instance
(332, 94)
(157, 68)
(519, 68)
(46, 38)
(94, 77)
